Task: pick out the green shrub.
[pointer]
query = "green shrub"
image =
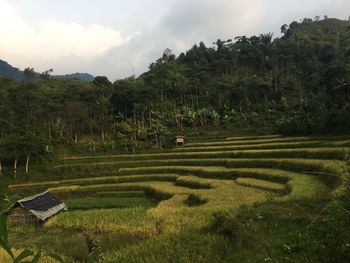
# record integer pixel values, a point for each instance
(194, 200)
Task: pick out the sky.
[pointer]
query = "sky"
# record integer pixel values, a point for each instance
(120, 38)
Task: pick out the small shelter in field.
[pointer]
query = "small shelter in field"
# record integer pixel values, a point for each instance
(180, 140)
(37, 208)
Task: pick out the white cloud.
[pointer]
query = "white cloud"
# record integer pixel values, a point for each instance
(186, 23)
(175, 24)
(208, 20)
(97, 49)
(22, 43)
(7, 14)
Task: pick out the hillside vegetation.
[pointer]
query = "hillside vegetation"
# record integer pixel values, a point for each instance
(296, 84)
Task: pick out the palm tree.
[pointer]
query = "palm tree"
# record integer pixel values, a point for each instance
(266, 39)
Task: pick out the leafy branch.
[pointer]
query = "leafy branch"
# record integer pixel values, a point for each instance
(31, 254)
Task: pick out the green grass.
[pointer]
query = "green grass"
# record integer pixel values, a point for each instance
(182, 205)
(286, 145)
(299, 185)
(330, 172)
(236, 141)
(185, 247)
(98, 180)
(109, 202)
(337, 153)
(222, 172)
(248, 142)
(262, 184)
(69, 244)
(121, 194)
(5, 258)
(294, 231)
(194, 182)
(254, 137)
(131, 221)
(173, 212)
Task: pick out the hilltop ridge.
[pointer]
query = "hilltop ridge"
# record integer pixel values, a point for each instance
(6, 70)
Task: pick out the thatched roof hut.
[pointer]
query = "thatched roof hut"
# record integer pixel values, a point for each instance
(37, 208)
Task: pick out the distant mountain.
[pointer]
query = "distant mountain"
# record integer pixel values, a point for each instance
(79, 76)
(6, 70)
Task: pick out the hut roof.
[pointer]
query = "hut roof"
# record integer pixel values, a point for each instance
(43, 205)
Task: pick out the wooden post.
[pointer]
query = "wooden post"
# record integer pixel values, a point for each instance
(135, 129)
(15, 167)
(27, 164)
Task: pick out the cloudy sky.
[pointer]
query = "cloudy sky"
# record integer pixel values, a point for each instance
(117, 38)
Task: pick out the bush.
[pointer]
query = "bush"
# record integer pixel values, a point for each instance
(228, 226)
(328, 239)
(194, 200)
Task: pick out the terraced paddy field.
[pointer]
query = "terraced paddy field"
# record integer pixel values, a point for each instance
(209, 201)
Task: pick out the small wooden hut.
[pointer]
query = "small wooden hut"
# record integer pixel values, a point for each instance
(37, 208)
(180, 141)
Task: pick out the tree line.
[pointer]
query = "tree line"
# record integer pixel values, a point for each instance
(296, 83)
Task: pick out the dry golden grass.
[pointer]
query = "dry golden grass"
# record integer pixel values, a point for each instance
(261, 184)
(273, 145)
(333, 153)
(173, 214)
(248, 142)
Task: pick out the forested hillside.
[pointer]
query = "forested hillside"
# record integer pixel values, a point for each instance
(297, 83)
(8, 71)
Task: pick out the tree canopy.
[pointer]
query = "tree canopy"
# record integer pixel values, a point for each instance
(297, 83)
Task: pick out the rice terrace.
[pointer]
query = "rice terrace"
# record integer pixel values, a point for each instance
(177, 205)
(174, 148)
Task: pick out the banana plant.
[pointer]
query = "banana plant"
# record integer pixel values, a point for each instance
(31, 254)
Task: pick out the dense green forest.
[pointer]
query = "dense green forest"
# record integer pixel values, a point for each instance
(298, 83)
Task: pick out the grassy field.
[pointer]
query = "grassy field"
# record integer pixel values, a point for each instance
(84, 203)
(208, 201)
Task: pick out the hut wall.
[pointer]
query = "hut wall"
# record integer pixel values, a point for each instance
(19, 215)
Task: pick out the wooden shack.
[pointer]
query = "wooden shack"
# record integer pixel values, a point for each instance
(180, 141)
(37, 208)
